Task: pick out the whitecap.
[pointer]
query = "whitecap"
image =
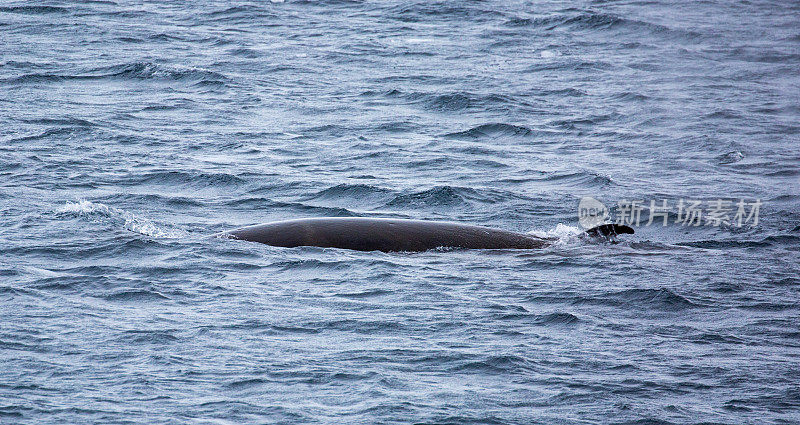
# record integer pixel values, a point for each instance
(122, 218)
(562, 233)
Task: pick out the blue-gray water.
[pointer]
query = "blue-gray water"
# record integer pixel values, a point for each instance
(131, 131)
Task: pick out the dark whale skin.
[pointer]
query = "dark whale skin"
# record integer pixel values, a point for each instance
(383, 234)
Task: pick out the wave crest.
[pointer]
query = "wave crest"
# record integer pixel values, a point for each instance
(124, 219)
(128, 71)
(493, 130)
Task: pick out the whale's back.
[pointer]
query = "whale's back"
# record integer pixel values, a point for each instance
(382, 234)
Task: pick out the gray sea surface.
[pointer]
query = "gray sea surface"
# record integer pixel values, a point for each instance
(132, 131)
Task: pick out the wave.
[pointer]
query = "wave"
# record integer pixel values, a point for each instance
(245, 14)
(581, 178)
(364, 294)
(149, 70)
(773, 240)
(445, 10)
(599, 22)
(715, 338)
(123, 219)
(372, 198)
(196, 179)
(398, 127)
(129, 71)
(245, 384)
(450, 102)
(136, 296)
(557, 318)
(325, 2)
(570, 64)
(497, 364)
(256, 203)
(354, 191)
(764, 55)
(729, 158)
(159, 336)
(437, 196)
(550, 319)
(359, 326)
(446, 196)
(33, 10)
(151, 199)
(77, 122)
(629, 96)
(566, 92)
(661, 299)
(593, 21)
(67, 132)
(493, 130)
(789, 172)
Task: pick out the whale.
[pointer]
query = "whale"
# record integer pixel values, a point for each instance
(397, 235)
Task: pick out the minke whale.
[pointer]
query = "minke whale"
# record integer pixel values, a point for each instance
(390, 235)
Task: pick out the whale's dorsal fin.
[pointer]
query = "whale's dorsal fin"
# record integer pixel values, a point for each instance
(609, 230)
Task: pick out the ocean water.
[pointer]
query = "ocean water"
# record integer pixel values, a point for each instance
(132, 131)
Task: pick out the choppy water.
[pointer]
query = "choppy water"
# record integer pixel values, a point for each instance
(131, 131)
